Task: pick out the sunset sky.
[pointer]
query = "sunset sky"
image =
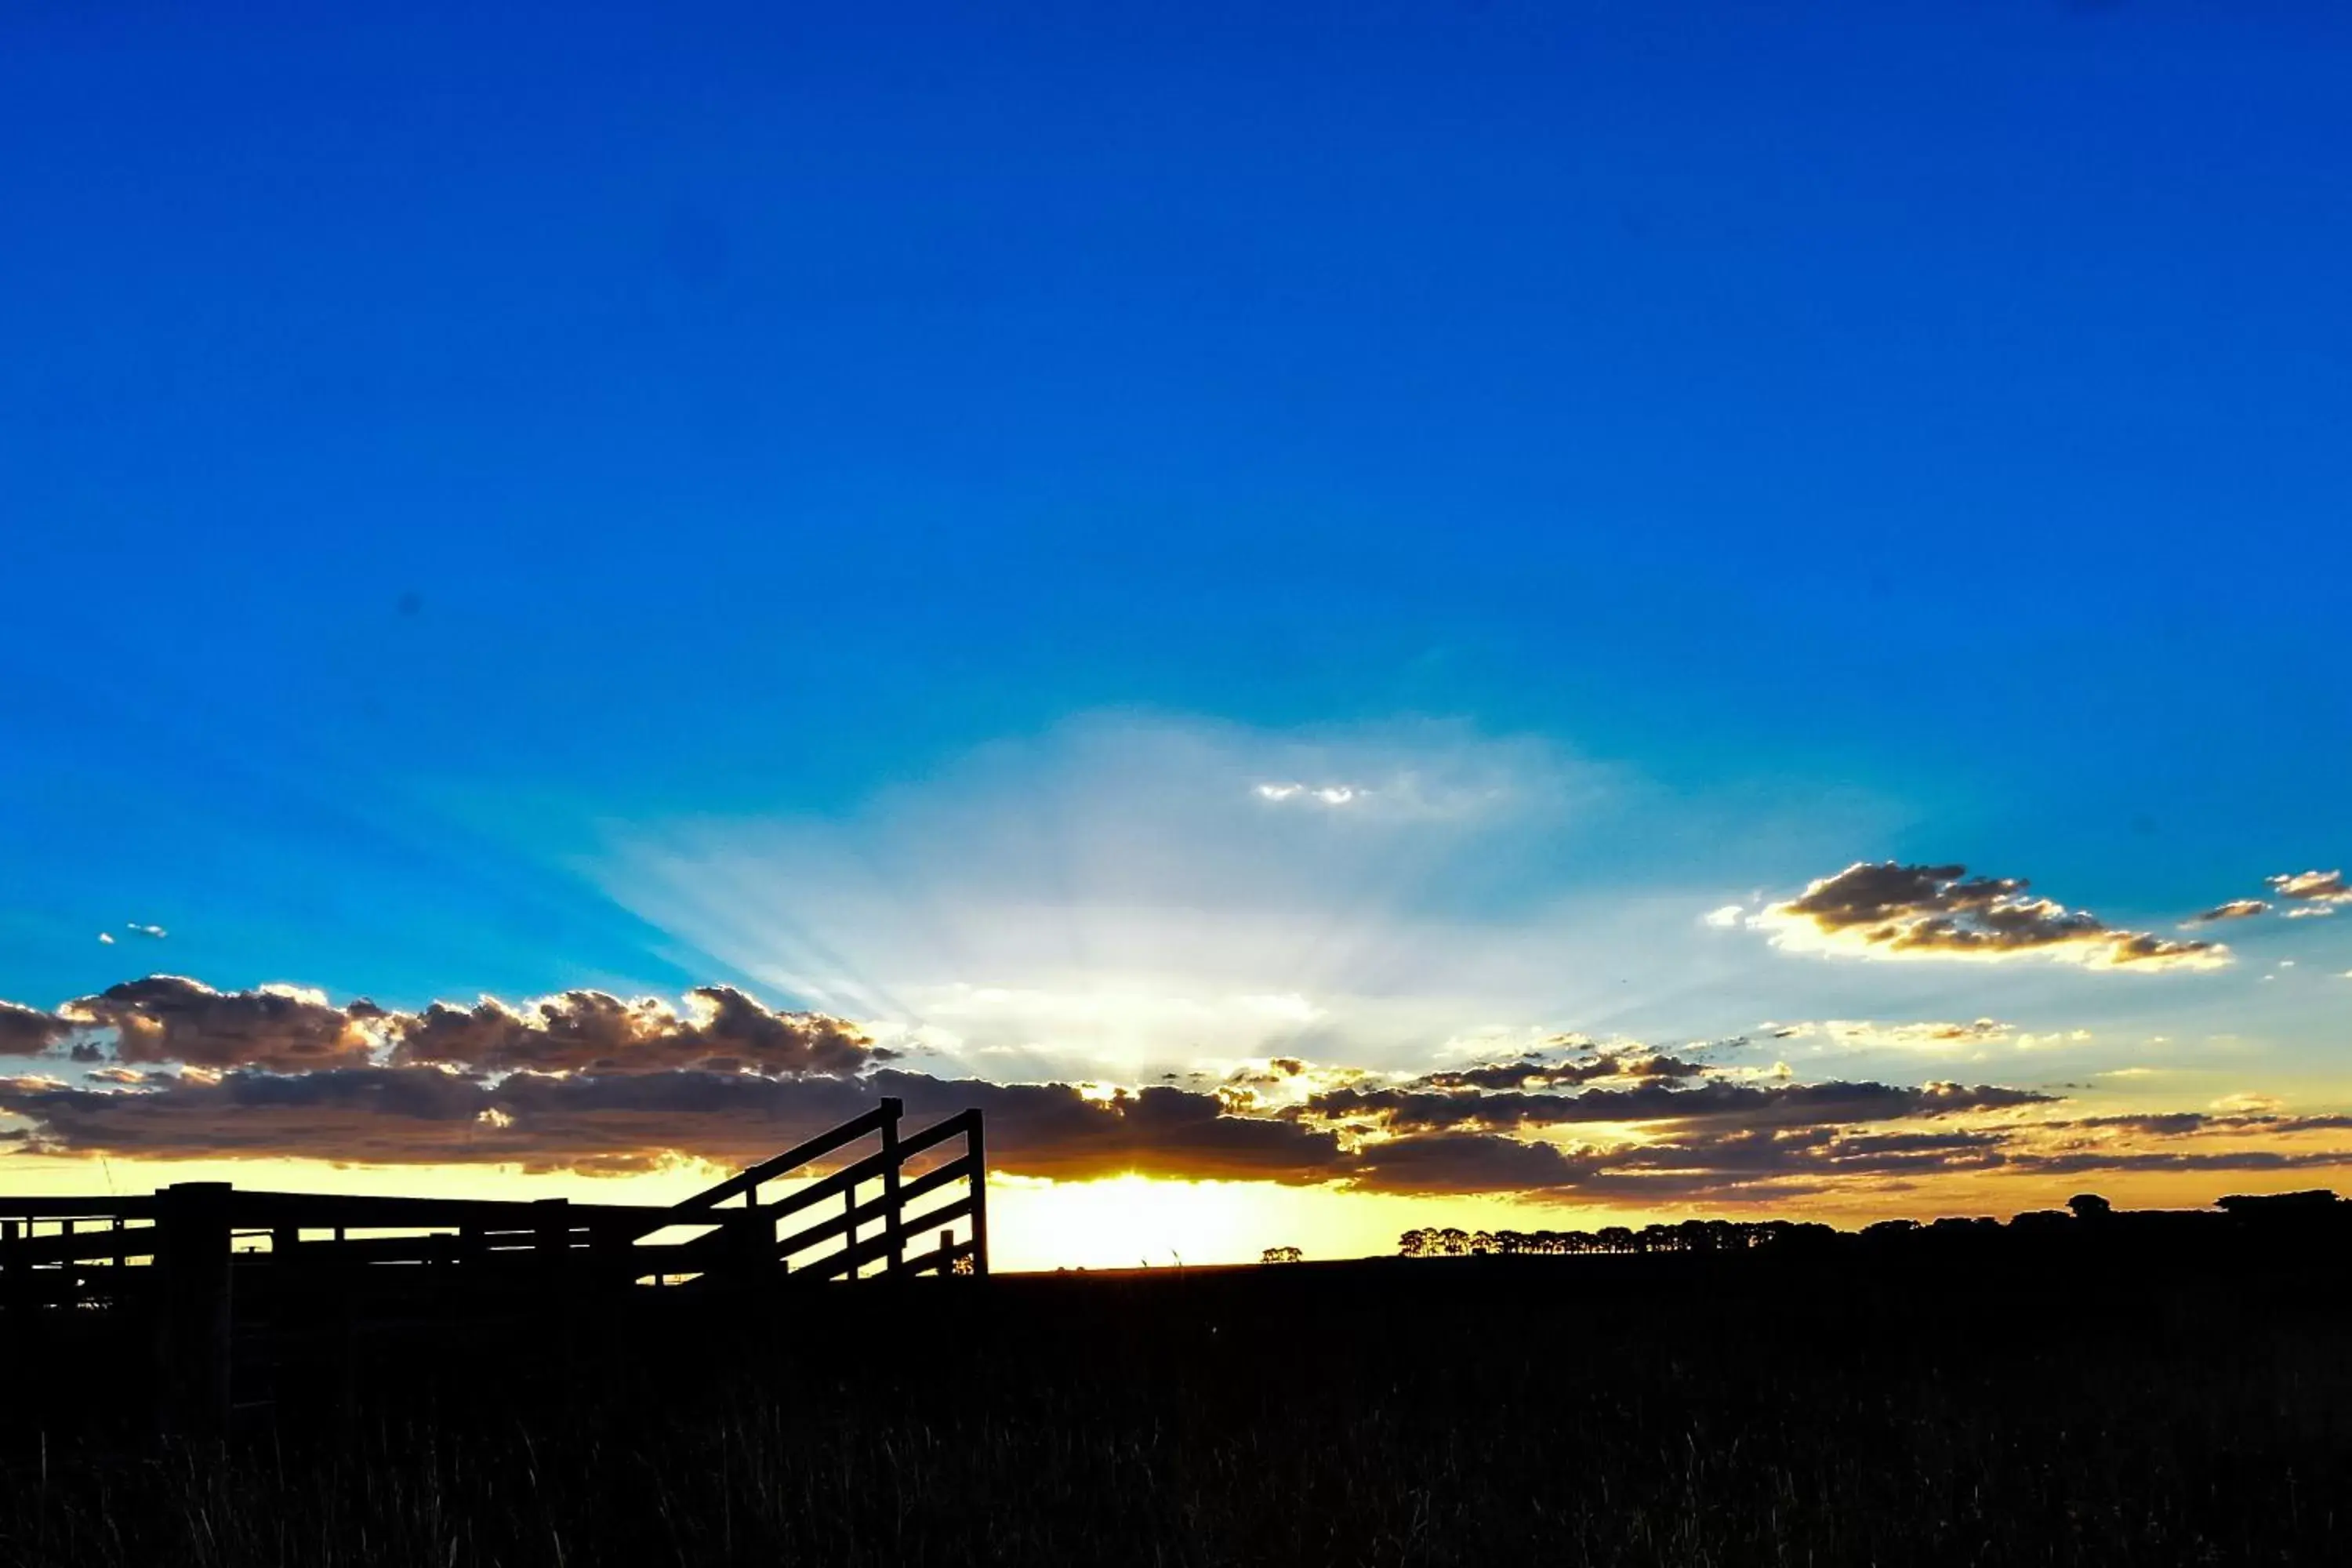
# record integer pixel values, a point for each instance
(1346, 616)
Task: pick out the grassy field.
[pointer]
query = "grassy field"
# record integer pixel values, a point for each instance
(1598, 1410)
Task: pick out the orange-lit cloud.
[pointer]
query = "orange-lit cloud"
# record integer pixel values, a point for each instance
(1714, 1101)
(721, 1029)
(168, 1018)
(1887, 910)
(1591, 1064)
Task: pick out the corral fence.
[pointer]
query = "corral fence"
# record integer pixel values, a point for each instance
(228, 1283)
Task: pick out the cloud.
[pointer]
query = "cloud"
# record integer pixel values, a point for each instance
(418, 1115)
(2124, 1162)
(1273, 1085)
(2313, 890)
(1412, 1111)
(590, 1082)
(421, 1115)
(1725, 918)
(106, 939)
(169, 1018)
(2234, 1116)
(1719, 1142)
(28, 1031)
(590, 1031)
(153, 934)
(1464, 1163)
(2235, 909)
(1926, 1035)
(1891, 911)
(1721, 1165)
(1311, 794)
(1714, 1159)
(1533, 1072)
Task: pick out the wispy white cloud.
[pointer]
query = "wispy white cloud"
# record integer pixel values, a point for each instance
(1865, 1034)
(1314, 794)
(2235, 909)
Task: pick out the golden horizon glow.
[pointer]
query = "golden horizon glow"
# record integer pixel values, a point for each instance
(1129, 1221)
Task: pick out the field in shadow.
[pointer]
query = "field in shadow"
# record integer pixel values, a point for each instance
(2072, 1408)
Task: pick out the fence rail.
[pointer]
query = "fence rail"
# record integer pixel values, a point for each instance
(205, 1263)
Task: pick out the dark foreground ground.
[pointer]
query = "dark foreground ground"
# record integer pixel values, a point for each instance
(1600, 1410)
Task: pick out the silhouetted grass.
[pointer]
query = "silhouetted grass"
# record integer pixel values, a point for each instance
(1568, 1411)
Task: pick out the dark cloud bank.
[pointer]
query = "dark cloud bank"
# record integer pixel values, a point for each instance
(168, 1068)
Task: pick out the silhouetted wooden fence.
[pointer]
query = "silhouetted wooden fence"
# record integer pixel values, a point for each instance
(206, 1266)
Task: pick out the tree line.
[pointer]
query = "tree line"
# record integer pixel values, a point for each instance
(1685, 1236)
(2087, 1214)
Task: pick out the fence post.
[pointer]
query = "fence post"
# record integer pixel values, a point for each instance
(9, 1268)
(894, 1224)
(612, 1252)
(551, 1234)
(749, 1245)
(978, 1150)
(192, 1343)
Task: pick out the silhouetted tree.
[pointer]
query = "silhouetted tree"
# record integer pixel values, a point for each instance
(1280, 1254)
(2318, 1200)
(2090, 1206)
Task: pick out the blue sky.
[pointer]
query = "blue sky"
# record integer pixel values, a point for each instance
(461, 467)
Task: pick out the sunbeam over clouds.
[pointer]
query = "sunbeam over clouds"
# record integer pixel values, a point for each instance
(1123, 893)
